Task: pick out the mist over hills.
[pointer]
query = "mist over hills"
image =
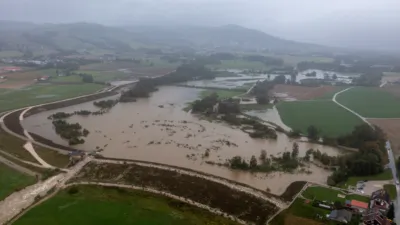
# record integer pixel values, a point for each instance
(20, 36)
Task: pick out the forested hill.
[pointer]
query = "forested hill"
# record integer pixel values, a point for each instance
(17, 36)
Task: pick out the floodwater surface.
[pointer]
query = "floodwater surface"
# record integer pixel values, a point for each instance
(158, 130)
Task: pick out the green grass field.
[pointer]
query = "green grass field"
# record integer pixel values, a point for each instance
(104, 76)
(328, 117)
(327, 194)
(104, 206)
(12, 180)
(371, 102)
(42, 93)
(386, 175)
(72, 78)
(391, 189)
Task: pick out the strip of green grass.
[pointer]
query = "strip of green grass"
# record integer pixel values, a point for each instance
(248, 107)
(222, 94)
(391, 189)
(331, 119)
(327, 194)
(386, 175)
(104, 206)
(12, 180)
(43, 93)
(371, 102)
(72, 78)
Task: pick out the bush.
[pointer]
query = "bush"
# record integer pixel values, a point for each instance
(73, 190)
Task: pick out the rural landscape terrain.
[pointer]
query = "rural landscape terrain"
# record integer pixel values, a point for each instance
(202, 125)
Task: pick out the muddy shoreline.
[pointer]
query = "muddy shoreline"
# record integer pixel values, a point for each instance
(215, 195)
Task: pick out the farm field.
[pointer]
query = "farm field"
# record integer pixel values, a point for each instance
(300, 211)
(331, 119)
(386, 175)
(371, 102)
(306, 93)
(12, 180)
(104, 206)
(293, 60)
(158, 64)
(42, 93)
(392, 130)
(104, 76)
(331, 195)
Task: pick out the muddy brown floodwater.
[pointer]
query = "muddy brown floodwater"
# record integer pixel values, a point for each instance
(158, 130)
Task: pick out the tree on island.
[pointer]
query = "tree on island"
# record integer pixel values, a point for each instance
(313, 133)
(253, 162)
(295, 150)
(262, 99)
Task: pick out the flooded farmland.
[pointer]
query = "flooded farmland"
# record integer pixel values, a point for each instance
(158, 130)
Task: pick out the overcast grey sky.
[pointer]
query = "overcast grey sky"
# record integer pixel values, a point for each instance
(296, 19)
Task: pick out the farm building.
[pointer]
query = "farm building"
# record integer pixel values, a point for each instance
(354, 204)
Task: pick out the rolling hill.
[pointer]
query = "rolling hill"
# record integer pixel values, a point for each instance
(45, 38)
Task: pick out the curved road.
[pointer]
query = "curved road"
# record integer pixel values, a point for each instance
(358, 115)
(392, 161)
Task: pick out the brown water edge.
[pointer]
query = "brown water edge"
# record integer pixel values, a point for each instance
(158, 130)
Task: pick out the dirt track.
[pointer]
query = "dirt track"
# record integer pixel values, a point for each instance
(303, 93)
(392, 128)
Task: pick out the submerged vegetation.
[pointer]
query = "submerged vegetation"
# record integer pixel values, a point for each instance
(288, 162)
(70, 131)
(106, 104)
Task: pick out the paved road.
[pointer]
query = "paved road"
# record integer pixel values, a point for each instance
(392, 165)
(358, 115)
(18, 201)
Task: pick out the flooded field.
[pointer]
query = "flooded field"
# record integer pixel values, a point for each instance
(242, 79)
(158, 130)
(269, 115)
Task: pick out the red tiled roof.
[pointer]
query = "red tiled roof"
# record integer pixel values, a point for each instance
(359, 204)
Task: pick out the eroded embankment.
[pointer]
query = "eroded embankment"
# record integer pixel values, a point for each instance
(240, 204)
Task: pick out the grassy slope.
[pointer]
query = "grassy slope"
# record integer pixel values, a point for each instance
(371, 102)
(36, 94)
(327, 116)
(104, 206)
(10, 180)
(14, 146)
(327, 194)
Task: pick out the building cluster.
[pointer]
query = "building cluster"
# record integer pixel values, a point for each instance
(30, 62)
(373, 213)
